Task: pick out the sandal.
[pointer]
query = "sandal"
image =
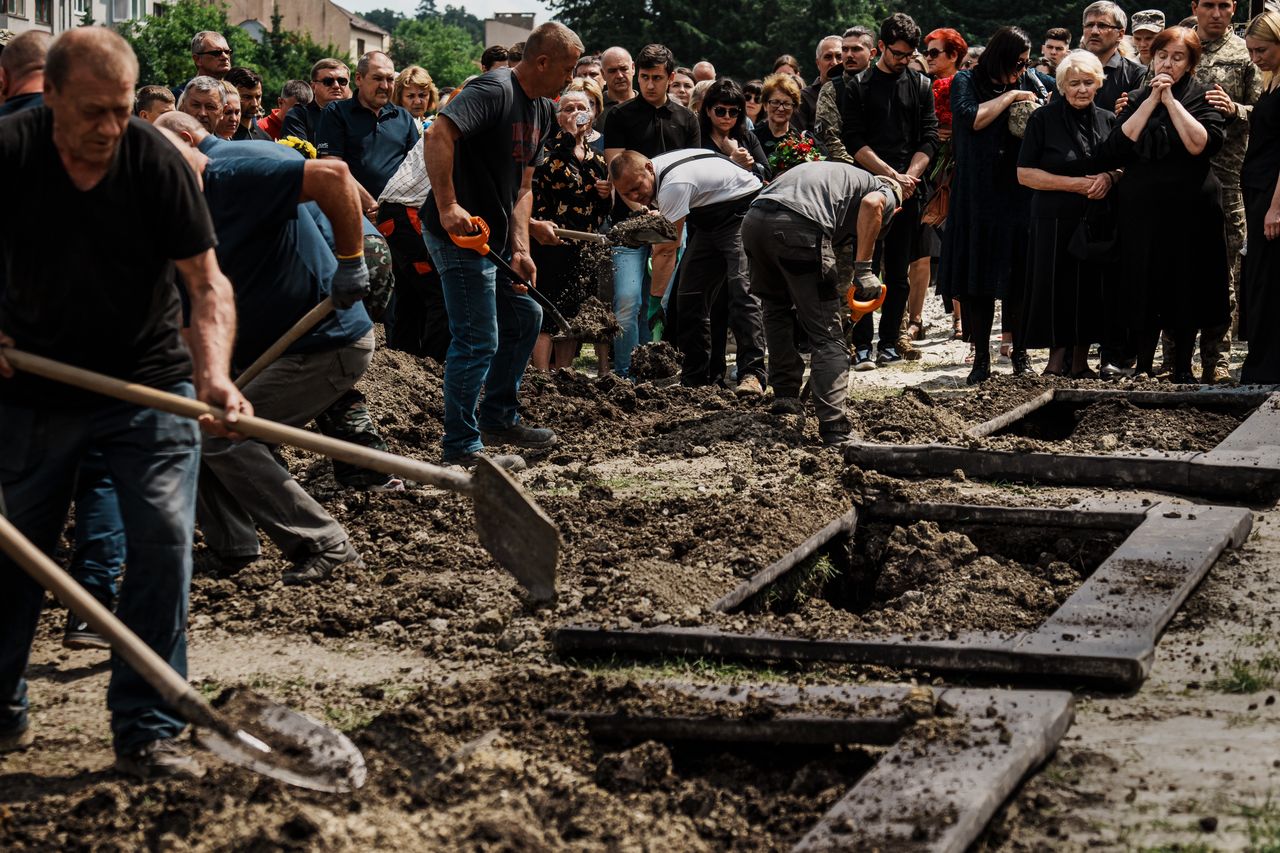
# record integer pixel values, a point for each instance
(973, 351)
(915, 330)
(957, 334)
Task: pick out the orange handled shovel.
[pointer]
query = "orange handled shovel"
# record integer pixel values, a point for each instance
(479, 241)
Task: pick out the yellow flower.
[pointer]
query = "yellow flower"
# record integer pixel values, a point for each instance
(301, 145)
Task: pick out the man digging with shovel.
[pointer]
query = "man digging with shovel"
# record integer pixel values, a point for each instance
(103, 297)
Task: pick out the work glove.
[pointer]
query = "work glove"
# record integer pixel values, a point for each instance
(866, 284)
(657, 317)
(350, 283)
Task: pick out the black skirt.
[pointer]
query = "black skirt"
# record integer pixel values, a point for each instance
(1063, 305)
(1260, 308)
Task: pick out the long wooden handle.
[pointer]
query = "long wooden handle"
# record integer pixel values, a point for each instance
(307, 322)
(269, 431)
(172, 687)
(586, 236)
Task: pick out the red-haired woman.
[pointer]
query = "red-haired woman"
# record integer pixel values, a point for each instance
(1174, 268)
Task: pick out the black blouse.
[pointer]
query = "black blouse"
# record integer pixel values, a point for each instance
(1065, 141)
(1262, 160)
(564, 189)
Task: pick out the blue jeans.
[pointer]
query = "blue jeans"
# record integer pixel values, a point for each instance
(99, 534)
(152, 458)
(630, 304)
(494, 330)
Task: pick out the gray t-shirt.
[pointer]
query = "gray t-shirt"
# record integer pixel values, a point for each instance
(826, 192)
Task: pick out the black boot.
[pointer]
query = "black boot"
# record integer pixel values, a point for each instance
(981, 371)
(1021, 362)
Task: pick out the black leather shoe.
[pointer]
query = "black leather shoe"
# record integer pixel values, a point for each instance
(519, 435)
(981, 371)
(1021, 362)
(318, 567)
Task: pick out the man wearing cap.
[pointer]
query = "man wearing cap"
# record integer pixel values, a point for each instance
(1146, 24)
(791, 235)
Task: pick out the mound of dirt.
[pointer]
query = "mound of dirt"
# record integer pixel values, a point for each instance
(654, 361)
(595, 322)
(1111, 425)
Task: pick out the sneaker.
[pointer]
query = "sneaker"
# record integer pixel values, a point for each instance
(862, 360)
(208, 562)
(506, 461)
(888, 355)
(749, 387)
(519, 435)
(1021, 362)
(78, 635)
(17, 739)
(160, 759)
(1217, 376)
(320, 566)
(785, 406)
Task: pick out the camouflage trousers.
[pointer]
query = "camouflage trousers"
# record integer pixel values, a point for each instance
(1215, 344)
(377, 257)
(349, 419)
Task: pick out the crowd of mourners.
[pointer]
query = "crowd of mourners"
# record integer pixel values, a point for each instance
(1119, 190)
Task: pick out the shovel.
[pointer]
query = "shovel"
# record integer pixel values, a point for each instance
(479, 241)
(249, 730)
(288, 339)
(510, 526)
(632, 238)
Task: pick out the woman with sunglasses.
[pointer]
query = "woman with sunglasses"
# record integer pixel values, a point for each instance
(723, 125)
(751, 93)
(984, 249)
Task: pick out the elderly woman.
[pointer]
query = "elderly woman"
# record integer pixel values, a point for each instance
(570, 190)
(1260, 180)
(681, 86)
(781, 96)
(415, 91)
(723, 124)
(1060, 161)
(984, 248)
(592, 90)
(1169, 208)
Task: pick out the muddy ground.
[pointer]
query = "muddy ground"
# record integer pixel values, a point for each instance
(666, 498)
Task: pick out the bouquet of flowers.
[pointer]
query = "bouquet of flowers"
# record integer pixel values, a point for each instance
(942, 100)
(794, 149)
(300, 145)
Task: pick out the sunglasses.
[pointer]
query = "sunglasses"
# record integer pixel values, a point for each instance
(753, 97)
(334, 81)
(725, 112)
(221, 52)
(1021, 64)
(934, 53)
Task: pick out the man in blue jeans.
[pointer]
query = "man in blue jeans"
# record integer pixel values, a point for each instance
(480, 154)
(104, 298)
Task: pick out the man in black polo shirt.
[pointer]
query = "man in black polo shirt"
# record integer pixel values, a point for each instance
(1104, 26)
(651, 124)
(104, 298)
(330, 81)
(890, 128)
(369, 132)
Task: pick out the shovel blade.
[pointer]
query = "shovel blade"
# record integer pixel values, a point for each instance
(283, 744)
(515, 530)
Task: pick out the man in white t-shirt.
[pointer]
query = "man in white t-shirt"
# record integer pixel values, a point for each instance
(711, 193)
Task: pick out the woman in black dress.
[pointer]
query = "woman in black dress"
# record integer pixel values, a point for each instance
(722, 118)
(570, 190)
(1171, 228)
(984, 249)
(1059, 161)
(1260, 179)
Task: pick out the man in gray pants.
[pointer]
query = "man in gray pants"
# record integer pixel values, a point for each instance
(790, 235)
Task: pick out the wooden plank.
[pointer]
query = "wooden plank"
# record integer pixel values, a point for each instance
(1015, 414)
(1258, 438)
(1116, 519)
(785, 729)
(934, 794)
(845, 524)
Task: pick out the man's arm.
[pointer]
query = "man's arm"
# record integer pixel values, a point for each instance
(928, 121)
(521, 260)
(664, 262)
(213, 328)
(329, 184)
(870, 218)
(439, 146)
(827, 124)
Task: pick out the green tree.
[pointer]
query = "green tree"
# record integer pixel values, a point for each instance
(163, 44)
(457, 16)
(285, 55)
(388, 19)
(448, 53)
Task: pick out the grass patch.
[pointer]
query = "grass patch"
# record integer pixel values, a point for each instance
(681, 668)
(1262, 824)
(800, 584)
(347, 719)
(1248, 676)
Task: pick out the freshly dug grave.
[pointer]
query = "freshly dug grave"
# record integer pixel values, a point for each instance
(926, 579)
(1110, 425)
(476, 765)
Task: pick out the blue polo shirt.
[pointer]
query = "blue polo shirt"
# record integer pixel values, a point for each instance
(273, 248)
(373, 146)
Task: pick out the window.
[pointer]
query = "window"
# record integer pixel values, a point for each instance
(81, 7)
(44, 11)
(359, 48)
(159, 10)
(16, 7)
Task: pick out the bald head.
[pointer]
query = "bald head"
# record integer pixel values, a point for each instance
(97, 48)
(554, 40)
(187, 127)
(703, 70)
(195, 158)
(25, 53)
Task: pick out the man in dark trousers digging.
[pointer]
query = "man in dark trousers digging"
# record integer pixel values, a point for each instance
(791, 236)
(103, 298)
(281, 267)
(481, 153)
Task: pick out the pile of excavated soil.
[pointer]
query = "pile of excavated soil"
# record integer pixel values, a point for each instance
(595, 322)
(1111, 425)
(654, 362)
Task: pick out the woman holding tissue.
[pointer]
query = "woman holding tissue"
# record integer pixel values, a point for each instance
(570, 190)
(722, 121)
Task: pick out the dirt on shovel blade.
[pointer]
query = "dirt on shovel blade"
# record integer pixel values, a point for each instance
(636, 228)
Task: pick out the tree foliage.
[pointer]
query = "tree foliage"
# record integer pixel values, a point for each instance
(163, 46)
(447, 52)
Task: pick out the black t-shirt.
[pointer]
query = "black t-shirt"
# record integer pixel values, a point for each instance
(86, 277)
(302, 121)
(882, 102)
(639, 126)
(503, 132)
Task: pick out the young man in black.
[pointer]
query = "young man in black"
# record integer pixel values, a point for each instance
(101, 298)
(651, 124)
(890, 128)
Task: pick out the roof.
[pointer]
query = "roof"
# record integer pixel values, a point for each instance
(362, 23)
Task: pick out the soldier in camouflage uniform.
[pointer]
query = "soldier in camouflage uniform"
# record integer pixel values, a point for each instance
(1234, 86)
(348, 418)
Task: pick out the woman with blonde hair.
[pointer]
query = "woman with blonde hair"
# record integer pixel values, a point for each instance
(1260, 181)
(415, 91)
(594, 94)
(781, 96)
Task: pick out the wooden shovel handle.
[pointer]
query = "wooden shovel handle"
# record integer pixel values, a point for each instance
(260, 428)
(305, 324)
(586, 236)
(172, 687)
